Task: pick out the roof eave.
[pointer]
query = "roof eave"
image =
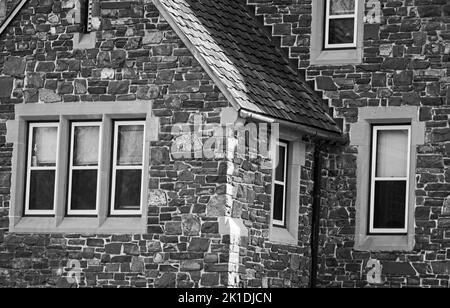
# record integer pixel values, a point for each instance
(315, 133)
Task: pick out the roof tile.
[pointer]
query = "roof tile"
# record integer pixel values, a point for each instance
(252, 69)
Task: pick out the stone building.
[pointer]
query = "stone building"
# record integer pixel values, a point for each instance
(132, 137)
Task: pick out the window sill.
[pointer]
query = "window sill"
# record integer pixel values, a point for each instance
(336, 57)
(384, 243)
(282, 236)
(112, 225)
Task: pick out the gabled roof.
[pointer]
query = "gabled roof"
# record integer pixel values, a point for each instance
(253, 74)
(11, 15)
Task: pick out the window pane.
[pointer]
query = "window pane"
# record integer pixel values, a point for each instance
(341, 31)
(128, 190)
(278, 203)
(131, 138)
(84, 190)
(392, 149)
(390, 202)
(341, 7)
(86, 139)
(42, 189)
(43, 147)
(279, 171)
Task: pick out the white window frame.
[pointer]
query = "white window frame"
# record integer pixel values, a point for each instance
(115, 167)
(31, 126)
(73, 125)
(328, 16)
(374, 178)
(284, 183)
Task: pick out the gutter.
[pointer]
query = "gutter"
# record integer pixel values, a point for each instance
(304, 129)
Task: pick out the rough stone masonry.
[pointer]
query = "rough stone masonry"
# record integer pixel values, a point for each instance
(405, 63)
(137, 56)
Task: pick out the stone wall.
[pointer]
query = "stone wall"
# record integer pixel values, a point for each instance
(270, 264)
(405, 62)
(137, 56)
(163, 261)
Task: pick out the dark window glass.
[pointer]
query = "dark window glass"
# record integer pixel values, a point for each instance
(341, 31)
(128, 190)
(84, 189)
(278, 202)
(279, 171)
(389, 207)
(42, 189)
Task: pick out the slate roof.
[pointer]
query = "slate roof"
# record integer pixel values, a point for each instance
(241, 55)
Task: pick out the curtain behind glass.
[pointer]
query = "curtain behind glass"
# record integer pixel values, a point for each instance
(342, 7)
(392, 151)
(131, 138)
(86, 145)
(44, 146)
